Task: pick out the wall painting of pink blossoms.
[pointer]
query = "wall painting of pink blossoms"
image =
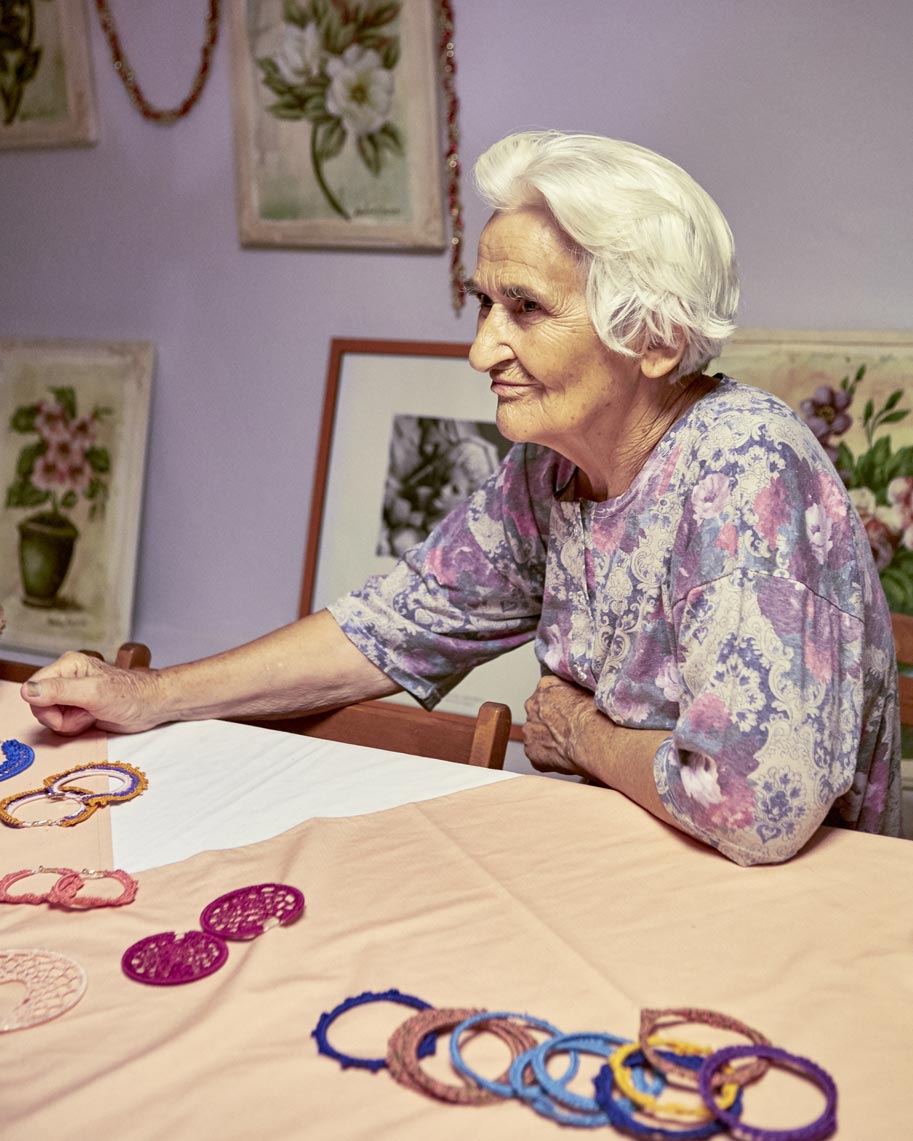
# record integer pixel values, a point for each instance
(855, 392)
(336, 123)
(73, 423)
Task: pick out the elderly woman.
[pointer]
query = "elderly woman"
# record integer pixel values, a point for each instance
(714, 640)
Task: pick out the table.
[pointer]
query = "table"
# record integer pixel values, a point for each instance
(467, 888)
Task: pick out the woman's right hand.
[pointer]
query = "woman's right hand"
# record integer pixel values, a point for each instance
(78, 692)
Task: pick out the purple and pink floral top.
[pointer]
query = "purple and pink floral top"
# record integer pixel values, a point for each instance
(728, 596)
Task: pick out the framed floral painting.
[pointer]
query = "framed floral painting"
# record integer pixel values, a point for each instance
(336, 123)
(855, 392)
(46, 92)
(407, 432)
(73, 418)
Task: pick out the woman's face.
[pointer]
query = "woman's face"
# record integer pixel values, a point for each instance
(557, 384)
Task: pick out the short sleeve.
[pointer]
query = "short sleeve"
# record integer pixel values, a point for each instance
(471, 591)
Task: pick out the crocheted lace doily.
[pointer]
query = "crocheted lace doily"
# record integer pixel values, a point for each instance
(53, 983)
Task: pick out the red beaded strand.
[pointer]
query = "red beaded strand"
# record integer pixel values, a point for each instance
(125, 71)
(452, 157)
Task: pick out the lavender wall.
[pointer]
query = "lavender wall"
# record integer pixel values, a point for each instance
(794, 115)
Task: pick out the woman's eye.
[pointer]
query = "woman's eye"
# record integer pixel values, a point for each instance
(527, 305)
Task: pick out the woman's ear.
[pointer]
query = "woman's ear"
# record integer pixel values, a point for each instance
(659, 360)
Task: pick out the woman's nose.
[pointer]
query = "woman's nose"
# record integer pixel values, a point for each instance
(490, 347)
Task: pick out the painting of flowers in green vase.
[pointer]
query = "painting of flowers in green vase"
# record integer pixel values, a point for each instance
(337, 134)
(855, 392)
(73, 417)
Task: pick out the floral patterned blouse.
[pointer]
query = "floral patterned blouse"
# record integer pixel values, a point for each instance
(729, 596)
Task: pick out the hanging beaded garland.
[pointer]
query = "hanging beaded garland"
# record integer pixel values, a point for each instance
(126, 73)
(447, 61)
(452, 156)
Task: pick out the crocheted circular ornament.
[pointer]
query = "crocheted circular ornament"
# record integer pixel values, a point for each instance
(319, 1033)
(622, 1114)
(87, 807)
(18, 758)
(131, 782)
(67, 892)
(7, 881)
(171, 958)
(823, 1126)
(402, 1054)
(502, 1089)
(677, 1073)
(248, 911)
(53, 983)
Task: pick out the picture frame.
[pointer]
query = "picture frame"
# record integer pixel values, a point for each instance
(407, 429)
(47, 96)
(855, 389)
(74, 421)
(315, 166)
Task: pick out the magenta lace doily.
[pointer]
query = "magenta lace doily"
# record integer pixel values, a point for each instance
(171, 958)
(247, 912)
(53, 983)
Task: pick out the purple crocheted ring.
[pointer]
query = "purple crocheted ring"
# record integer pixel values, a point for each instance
(18, 758)
(171, 958)
(247, 912)
(823, 1126)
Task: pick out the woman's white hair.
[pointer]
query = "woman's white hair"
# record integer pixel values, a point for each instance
(658, 253)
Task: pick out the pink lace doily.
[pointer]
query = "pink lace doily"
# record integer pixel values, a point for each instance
(53, 983)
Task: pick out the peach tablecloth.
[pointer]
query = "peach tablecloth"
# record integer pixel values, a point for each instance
(526, 895)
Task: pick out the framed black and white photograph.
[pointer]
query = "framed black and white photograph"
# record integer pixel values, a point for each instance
(407, 432)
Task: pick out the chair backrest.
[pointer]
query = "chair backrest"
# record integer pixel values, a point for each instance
(481, 741)
(903, 646)
(131, 655)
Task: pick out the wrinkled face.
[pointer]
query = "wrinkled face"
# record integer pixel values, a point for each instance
(557, 384)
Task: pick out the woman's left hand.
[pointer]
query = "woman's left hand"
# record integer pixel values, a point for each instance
(554, 716)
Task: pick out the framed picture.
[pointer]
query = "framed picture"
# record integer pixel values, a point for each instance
(407, 432)
(336, 123)
(855, 391)
(73, 417)
(46, 93)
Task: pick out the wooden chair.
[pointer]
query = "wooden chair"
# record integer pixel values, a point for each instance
(903, 644)
(400, 728)
(131, 655)
(404, 729)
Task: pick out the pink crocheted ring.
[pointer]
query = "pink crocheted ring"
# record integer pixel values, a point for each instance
(66, 891)
(404, 1066)
(655, 1021)
(53, 983)
(247, 912)
(171, 958)
(7, 881)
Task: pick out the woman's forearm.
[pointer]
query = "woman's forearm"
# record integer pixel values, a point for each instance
(565, 732)
(308, 665)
